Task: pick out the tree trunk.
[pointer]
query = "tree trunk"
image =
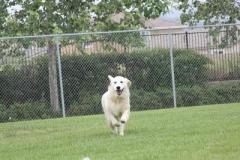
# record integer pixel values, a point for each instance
(53, 82)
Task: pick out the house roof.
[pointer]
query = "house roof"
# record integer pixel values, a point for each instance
(151, 23)
(160, 23)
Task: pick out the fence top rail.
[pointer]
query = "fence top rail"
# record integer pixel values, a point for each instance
(168, 29)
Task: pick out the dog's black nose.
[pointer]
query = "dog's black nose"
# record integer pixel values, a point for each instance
(118, 88)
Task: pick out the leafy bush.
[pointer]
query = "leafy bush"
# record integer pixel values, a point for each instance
(148, 70)
(87, 74)
(26, 111)
(3, 114)
(194, 95)
(85, 79)
(87, 105)
(190, 68)
(209, 94)
(29, 83)
(163, 98)
(140, 100)
(234, 72)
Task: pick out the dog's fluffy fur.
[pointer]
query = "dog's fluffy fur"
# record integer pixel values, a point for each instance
(116, 103)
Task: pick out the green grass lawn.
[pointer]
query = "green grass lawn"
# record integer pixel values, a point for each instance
(195, 133)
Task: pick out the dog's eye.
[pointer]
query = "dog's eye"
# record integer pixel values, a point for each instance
(121, 81)
(115, 82)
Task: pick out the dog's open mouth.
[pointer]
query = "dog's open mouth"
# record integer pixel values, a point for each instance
(119, 91)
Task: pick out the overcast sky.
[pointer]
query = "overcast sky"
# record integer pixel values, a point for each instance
(173, 15)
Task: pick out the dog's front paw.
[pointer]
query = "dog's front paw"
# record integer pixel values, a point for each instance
(121, 134)
(123, 121)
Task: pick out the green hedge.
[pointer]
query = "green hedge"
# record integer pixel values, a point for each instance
(25, 111)
(85, 75)
(140, 100)
(147, 71)
(29, 83)
(209, 94)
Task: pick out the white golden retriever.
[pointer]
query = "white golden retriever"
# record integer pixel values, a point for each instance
(116, 103)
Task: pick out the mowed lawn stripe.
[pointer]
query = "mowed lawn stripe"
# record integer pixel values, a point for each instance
(205, 132)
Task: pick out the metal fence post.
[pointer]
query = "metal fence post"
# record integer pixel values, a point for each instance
(186, 39)
(60, 76)
(170, 41)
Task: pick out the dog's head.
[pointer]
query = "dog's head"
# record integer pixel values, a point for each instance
(119, 84)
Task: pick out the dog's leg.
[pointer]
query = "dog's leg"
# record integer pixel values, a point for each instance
(121, 129)
(113, 123)
(124, 119)
(125, 116)
(114, 128)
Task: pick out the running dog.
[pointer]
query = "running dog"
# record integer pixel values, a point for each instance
(116, 103)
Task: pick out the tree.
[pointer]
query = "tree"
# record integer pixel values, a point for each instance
(213, 12)
(3, 15)
(63, 16)
(210, 11)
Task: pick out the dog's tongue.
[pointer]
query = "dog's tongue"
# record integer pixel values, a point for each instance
(119, 92)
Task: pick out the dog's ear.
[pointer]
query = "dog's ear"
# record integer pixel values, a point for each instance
(110, 78)
(129, 83)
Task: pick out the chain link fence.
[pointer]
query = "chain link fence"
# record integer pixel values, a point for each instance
(65, 75)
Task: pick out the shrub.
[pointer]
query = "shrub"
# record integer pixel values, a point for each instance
(142, 100)
(87, 75)
(87, 105)
(148, 70)
(29, 83)
(25, 111)
(190, 68)
(208, 94)
(193, 95)
(226, 93)
(3, 114)
(163, 98)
